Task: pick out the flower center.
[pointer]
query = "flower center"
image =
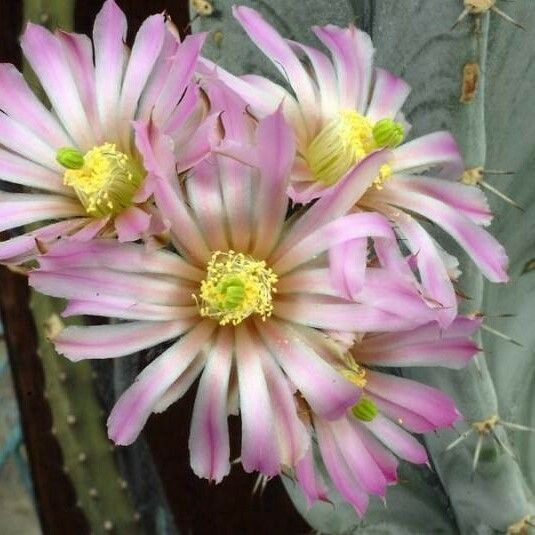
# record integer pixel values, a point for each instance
(354, 372)
(104, 179)
(235, 287)
(346, 140)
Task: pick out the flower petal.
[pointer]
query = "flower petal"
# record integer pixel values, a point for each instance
(279, 52)
(389, 94)
(438, 149)
(352, 52)
(109, 38)
(135, 405)
(111, 341)
(259, 449)
(209, 439)
(327, 391)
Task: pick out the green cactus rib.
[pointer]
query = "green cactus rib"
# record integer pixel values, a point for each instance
(79, 428)
(495, 495)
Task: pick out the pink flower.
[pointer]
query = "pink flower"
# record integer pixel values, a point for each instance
(344, 111)
(247, 301)
(79, 160)
(360, 449)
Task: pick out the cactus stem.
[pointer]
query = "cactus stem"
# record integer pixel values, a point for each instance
(485, 428)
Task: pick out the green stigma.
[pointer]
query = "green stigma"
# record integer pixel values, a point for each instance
(388, 133)
(365, 410)
(70, 158)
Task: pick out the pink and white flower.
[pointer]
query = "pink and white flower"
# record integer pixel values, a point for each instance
(242, 301)
(344, 110)
(360, 450)
(79, 160)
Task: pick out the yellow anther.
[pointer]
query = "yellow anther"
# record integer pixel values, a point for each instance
(385, 173)
(346, 140)
(106, 181)
(354, 372)
(235, 287)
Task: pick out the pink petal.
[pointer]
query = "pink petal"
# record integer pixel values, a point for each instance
(389, 94)
(343, 229)
(358, 459)
(18, 170)
(309, 480)
(145, 51)
(337, 202)
(276, 152)
(352, 52)
(78, 51)
(121, 257)
(22, 248)
(279, 52)
(46, 57)
(292, 437)
(135, 405)
(109, 37)
(325, 78)
(128, 309)
(91, 283)
(209, 439)
(483, 248)
(17, 209)
(111, 341)
(259, 448)
(205, 194)
(396, 439)
(327, 391)
(348, 266)
(132, 224)
(21, 140)
(382, 457)
(179, 76)
(452, 353)
(338, 470)
(428, 402)
(18, 101)
(438, 149)
(159, 74)
(468, 200)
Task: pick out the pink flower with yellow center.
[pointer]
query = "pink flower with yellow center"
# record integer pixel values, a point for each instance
(344, 112)
(360, 450)
(244, 300)
(78, 161)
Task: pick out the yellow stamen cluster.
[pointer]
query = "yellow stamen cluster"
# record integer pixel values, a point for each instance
(385, 173)
(235, 287)
(354, 372)
(104, 180)
(347, 139)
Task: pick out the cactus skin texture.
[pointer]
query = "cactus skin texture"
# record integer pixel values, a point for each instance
(79, 427)
(477, 81)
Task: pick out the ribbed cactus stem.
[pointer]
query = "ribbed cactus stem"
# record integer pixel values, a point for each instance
(79, 427)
